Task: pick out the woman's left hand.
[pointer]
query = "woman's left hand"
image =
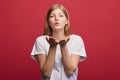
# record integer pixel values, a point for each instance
(63, 42)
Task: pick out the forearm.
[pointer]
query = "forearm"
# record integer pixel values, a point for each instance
(49, 63)
(69, 65)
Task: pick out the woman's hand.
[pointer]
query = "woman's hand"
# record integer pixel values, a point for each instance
(63, 42)
(53, 42)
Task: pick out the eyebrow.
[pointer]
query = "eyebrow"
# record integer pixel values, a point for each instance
(54, 14)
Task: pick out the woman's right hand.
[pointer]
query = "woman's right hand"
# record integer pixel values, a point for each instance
(52, 41)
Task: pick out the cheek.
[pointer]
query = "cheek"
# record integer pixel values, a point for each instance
(51, 21)
(64, 21)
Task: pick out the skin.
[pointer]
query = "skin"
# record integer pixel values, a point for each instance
(57, 21)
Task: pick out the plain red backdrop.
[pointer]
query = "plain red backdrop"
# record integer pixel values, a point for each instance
(97, 21)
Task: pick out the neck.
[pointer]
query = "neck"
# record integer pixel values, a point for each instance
(59, 35)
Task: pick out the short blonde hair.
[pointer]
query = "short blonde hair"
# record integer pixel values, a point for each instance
(48, 29)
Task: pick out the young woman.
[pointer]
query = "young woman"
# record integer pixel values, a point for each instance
(58, 52)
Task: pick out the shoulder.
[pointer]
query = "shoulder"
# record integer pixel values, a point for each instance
(76, 37)
(76, 41)
(41, 38)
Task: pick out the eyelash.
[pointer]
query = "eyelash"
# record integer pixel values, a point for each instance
(53, 16)
(61, 15)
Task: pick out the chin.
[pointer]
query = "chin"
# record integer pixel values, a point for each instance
(58, 28)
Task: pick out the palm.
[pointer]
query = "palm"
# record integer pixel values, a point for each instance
(63, 42)
(52, 42)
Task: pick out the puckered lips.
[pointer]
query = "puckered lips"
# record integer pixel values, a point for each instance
(56, 23)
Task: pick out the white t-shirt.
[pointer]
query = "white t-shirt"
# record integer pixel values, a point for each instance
(75, 46)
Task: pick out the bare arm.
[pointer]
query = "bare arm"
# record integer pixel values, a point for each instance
(70, 62)
(47, 62)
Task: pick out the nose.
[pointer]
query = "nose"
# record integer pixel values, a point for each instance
(56, 18)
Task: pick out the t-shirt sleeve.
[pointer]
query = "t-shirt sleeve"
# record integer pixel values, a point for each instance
(78, 48)
(38, 47)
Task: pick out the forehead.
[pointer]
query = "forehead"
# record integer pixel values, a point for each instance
(57, 11)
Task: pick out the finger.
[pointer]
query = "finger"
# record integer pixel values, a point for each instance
(61, 42)
(68, 39)
(57, 41)
(51, 40)
(47, 38)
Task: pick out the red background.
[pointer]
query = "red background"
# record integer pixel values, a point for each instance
(97, 21)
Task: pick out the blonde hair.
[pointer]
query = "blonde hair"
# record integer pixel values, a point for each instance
(48, 29)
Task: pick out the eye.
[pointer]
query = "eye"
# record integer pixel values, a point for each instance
(61, 15)
(51, 16)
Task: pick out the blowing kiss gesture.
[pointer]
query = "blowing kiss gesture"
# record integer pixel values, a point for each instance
(53, 42)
